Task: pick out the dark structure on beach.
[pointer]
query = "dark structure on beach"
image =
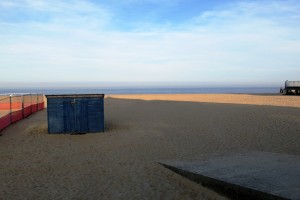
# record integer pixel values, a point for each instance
(291, 87)
(80, 113)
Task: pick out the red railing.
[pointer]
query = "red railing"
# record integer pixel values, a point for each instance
(15, 107)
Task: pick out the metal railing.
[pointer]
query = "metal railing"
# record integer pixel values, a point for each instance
(14, 107)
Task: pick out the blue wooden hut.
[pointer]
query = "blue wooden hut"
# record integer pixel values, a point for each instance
(79, 113)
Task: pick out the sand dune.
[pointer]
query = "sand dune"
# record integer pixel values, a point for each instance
(122, 162)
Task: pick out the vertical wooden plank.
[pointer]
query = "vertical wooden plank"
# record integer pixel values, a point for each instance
(82, 123)
(56, 119)
(69, 116)
(96, 115)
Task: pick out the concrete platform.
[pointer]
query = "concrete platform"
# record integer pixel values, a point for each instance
(251, 175)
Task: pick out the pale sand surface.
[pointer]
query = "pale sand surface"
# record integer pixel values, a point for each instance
(250, 99)
(122, 162)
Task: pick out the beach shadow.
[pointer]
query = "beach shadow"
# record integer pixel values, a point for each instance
(37, 129)
(113, 126)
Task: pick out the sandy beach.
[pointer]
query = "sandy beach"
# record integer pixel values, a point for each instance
(141, 130)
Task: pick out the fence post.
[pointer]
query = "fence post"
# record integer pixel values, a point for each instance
(37, 102)
(31, 103)
(23, 106)
(10, 108)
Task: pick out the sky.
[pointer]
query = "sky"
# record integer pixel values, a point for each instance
(205, 41)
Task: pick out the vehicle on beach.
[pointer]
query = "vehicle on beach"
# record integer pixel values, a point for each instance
(291, 87)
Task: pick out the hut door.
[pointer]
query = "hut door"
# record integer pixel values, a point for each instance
(81, 120)
(76, 116)
(69, 116)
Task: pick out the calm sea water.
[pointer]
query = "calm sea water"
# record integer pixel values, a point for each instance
(166, 90)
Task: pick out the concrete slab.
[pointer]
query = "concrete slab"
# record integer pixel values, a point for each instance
(251, 175)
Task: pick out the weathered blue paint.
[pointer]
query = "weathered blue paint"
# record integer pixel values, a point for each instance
(75, 113)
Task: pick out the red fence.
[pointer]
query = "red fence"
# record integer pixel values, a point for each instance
(16, 107)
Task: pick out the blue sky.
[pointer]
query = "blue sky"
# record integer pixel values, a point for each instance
(150, 41)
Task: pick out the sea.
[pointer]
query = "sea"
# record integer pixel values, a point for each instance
(141, 90)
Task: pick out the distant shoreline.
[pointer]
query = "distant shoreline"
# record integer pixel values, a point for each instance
(146, 90)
